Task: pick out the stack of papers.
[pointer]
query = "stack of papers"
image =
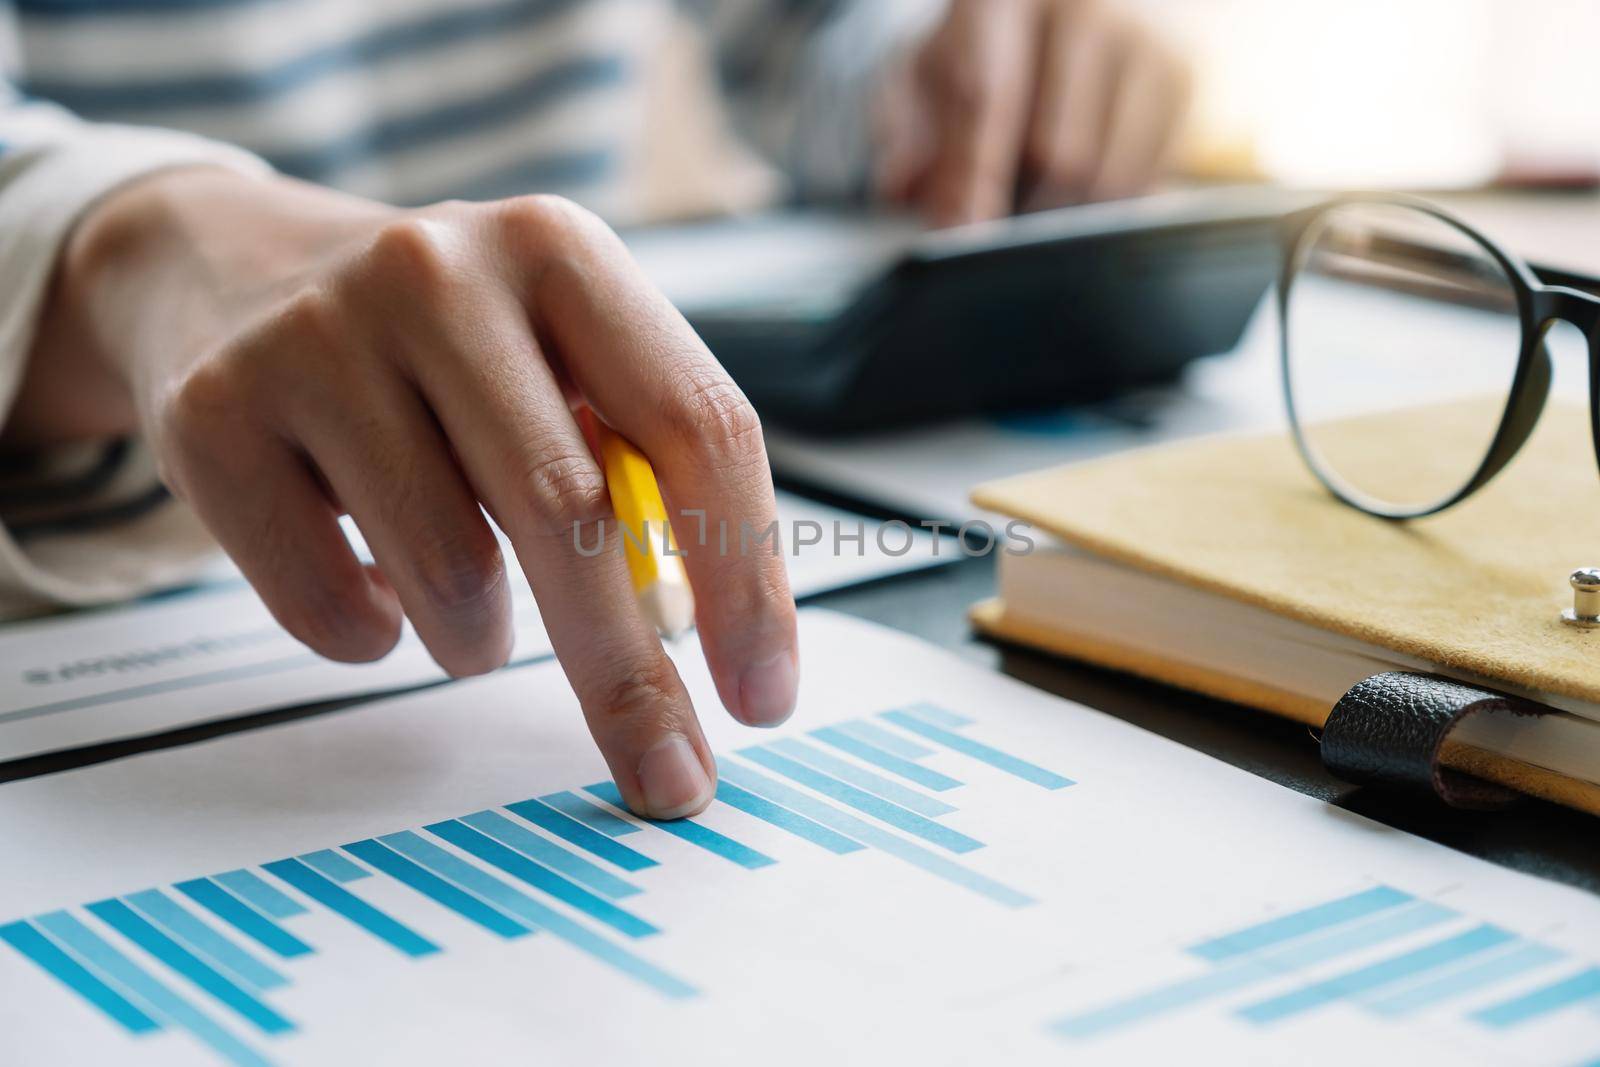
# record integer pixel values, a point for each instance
(214, 652)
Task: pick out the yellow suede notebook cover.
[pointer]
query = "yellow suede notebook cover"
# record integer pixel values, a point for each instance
(1479, 588)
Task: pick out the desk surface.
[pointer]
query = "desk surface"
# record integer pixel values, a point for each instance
(1534, 837)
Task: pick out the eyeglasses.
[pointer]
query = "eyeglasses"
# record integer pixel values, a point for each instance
(1413, 351)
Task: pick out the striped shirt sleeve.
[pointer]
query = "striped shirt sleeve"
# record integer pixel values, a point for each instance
(800, 77)
(117, 537)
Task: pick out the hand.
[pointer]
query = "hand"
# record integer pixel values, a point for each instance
(1028, 104)
(292, 354)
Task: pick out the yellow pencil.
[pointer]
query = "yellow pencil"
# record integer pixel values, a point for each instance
(658, 576)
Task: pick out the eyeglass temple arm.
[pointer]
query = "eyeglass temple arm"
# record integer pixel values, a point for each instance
(1405, 266)
(1464, 268)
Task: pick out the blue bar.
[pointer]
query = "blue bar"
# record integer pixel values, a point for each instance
(1462, 980)
(1377, 975)
(352, 907)
(162, 909)
(522, 868)
(897, 744)
(330, 864)
(694, 833)
(850, 774)
(509, 899)
(571, 804)
(99, 954)
(1028, 772)
(1295, 924)
(880, 757)
(784, 819)
(1162, 1000)
(243, 918)
(937, 716)
(135, 928)
(260, 895)
(1244, 971)
(1385, 926)
(872, 836)
(432, 886)
(878, 808)
(552, 855)
(76, 977)
(575, 832)
(1542, 1001)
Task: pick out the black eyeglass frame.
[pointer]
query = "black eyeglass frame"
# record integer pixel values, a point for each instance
(1540, 305)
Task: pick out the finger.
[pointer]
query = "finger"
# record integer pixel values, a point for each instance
(1143, 117)
(283, 533)
(646, 374)
(394, 472)
(980, 73)
(905, 137)
(501, 408)
(1078, 66)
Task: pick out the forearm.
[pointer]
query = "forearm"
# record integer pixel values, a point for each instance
(66, 394)
(154, 272)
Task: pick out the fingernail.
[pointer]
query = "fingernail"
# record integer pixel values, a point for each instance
(673, 780)
(767, 691)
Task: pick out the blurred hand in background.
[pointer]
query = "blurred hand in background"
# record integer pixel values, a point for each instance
(1018, 105)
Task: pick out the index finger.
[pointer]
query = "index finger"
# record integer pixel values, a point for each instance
(981, 70)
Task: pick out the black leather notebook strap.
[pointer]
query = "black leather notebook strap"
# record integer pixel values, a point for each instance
(1389, 728)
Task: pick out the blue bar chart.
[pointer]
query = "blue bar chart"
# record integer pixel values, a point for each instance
(206, 956)
(1382, 951)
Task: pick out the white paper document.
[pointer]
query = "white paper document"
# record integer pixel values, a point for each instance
(820, 257)
(930, 864)
(215, 652)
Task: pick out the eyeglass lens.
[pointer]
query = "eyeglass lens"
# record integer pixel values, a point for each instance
(1401, 337)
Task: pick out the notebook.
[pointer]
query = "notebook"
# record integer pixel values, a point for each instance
(1222, 566)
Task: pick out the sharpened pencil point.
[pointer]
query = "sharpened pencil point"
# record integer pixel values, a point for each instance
(670, 608)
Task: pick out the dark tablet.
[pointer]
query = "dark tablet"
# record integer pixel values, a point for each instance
(877, 326)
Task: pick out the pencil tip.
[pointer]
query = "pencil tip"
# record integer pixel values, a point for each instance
(669, 607)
